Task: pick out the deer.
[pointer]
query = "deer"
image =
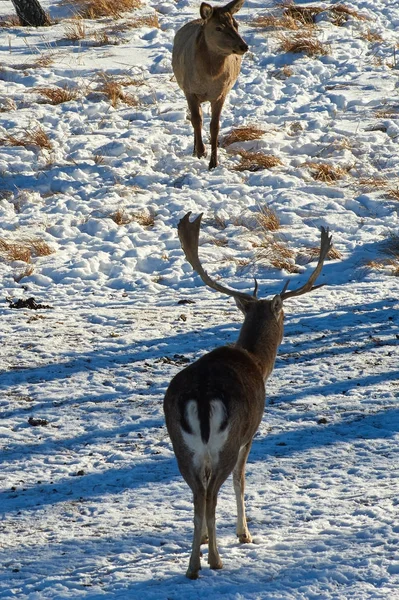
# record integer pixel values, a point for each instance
(206, 61)
(214, 406)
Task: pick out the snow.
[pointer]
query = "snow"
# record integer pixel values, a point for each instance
(92, 504)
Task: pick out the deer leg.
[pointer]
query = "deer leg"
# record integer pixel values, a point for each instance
(214, 559)
(196, 121)
(216, 108)
(199, 517)
(239, 487)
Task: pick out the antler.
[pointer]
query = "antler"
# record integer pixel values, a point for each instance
(325, 245)
(189, 237)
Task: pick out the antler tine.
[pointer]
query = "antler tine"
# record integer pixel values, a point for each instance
(189, 239)
(325, 245)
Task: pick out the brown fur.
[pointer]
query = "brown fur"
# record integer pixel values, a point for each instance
(236, 376)
(206, 61)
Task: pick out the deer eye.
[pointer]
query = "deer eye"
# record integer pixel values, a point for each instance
(219, 29)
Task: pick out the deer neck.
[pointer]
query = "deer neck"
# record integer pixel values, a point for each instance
(262, 344)
(212, 62)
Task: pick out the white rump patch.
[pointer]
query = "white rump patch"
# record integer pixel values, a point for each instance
(206, 454)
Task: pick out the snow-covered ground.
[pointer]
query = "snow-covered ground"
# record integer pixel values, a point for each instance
(92, 503)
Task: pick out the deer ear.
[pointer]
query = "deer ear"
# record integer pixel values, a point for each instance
(277, 306)
(243, 304)
(206, 11)
(234, 6)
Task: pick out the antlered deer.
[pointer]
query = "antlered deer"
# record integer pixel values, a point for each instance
(206, 61)
(214, 406)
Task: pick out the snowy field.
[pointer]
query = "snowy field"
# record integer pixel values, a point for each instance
(91, 190)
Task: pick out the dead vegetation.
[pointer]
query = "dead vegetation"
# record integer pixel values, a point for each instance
(95, 9)
(339, 14)
(371, 36)
(268, 219)
(24, 249)
(325, 172)
(256, 161)
(145, 218)
(75, 29)
(313, 253)
(245, 133)
(275, 253)
(58, 95)
(302, 43)
(35, 137)
(393, 193)
(390, 264)
(113, 89)
(274, 22)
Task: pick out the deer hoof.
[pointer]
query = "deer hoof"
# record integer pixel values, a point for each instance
(245, 538)
(217, 564)
(212, 164)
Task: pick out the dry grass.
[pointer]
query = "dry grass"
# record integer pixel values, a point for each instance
(332, 254)
(391, 248)
(274, 22)
(305, 15)
(75, 30)
(275, 253)
(371, 36)
(267, 219)
(27, 272)
(101, 38)
(145, 219)
(95, 9)
(113, 90)
(373, 182)
(221, 242)
(24, 249)
(43, 61)
(393, 193)
(243, 134)
(120, 217)
(10, 21)
(305, 43)
(36, 137)
(256, 161)
(58, 95)
(340, 14)
(385, 263)
(325, 172)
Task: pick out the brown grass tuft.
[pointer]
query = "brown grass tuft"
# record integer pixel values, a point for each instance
(275, 22)
(120, 217)
(393, 193)
(332, 254)
(267, 219)
(371, 36)
(275, 253)
(243, 134)
(145, 219)
(58, 95)
(94, 9)
(27, 272)
(325, 172)
(75, 29)
(113, 89)
(10, 21)
(256, 161)
(37, 137)
(304, 14)
(302, 43)
(24, 249)
(373, 182)
(385, 263)
(340, 14)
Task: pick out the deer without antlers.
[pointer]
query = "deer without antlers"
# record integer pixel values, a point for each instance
(214, 406)
(206, 61)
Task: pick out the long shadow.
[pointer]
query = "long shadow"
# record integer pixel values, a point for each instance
(110, 481)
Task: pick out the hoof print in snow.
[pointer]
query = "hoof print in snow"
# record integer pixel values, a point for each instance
(186, 301)
(28, 303)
